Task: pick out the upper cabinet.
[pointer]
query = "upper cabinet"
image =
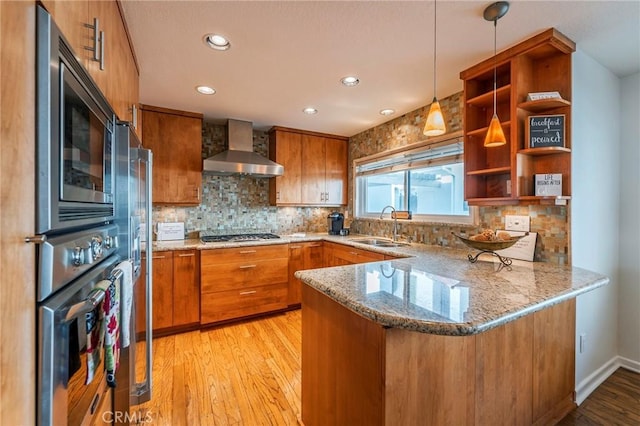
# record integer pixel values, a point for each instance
(505, 174)
(315, 168)
(98, 36)
(175, 138)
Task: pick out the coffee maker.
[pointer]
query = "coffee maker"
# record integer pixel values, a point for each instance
(335, 221)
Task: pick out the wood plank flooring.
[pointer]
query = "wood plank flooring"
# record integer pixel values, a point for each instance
(615, 402)
(241, 374)
(248, 374)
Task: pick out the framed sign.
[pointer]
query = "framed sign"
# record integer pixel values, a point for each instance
(545, 131)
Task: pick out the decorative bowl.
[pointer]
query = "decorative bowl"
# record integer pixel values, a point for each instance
(490, 245)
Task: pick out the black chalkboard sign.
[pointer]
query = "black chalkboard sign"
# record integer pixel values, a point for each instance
(545, 131)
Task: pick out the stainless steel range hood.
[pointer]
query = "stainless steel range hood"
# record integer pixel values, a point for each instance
(240, 158)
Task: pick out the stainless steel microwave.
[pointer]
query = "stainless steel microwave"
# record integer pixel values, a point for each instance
(75, 138)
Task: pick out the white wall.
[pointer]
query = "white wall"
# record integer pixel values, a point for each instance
(629, 275)
(595, 213)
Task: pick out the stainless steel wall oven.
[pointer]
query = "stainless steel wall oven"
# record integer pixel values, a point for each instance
(75, 137)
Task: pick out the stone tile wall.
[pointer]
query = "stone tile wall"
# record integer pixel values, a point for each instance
(241, 203)
(550, 222)
(233, 204)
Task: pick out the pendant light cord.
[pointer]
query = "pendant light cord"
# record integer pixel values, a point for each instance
(435, 35)
(495, 66)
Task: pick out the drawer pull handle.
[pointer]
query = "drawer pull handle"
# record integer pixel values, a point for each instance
(315, 245)
(246, 293)
(295, 247)
(354, 253)
(247, 251)
(157, 257)
(247, 266)
(187, 255)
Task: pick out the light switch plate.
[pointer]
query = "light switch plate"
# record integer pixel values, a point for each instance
(517, 223)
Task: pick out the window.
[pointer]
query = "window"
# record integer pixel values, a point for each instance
(425, 178)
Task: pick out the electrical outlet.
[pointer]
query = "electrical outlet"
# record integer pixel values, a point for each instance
(517, 223)
(583, 342)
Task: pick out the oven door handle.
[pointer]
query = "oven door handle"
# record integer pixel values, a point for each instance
(89, 304)
(93, 300)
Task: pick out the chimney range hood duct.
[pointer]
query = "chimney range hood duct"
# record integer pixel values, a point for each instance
(240, 158)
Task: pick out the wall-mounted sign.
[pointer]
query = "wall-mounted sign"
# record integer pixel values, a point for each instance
(545, 131)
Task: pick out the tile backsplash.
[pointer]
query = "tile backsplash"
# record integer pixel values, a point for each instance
(241, 203)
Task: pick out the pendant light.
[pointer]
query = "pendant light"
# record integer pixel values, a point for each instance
(435, 121)
(495, 135)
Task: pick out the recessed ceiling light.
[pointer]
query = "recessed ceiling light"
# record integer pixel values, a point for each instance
(310, 110)
(387, 111)
(206, 90)
(350, 81)
(217, 41)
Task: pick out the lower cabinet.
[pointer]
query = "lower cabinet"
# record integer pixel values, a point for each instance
(340, 254)
(308, 255)
(176, 291)
(243, 281)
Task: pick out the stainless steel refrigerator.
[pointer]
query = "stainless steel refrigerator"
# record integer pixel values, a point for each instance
(133, 199)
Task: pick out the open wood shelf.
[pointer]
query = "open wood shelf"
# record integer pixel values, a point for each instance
(486, 99)
(543, 104)
(492, 171)
(483, 130)
(545, 150)
(495, 201)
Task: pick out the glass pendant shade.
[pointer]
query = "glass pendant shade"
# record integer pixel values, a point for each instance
(495, 135)
(435, 121)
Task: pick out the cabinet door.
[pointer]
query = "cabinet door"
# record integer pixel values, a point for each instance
(285, 148)
(335, 171)
(296, 263)
(72, 18)
(123, 74)
(313, 255)
(176, 143)
(313, 169)
(186, 287)
(162, 290)
(106, 11)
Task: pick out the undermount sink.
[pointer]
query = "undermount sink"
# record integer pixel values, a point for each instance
(378, 242)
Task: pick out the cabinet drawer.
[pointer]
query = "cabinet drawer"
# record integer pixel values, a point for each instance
(224, 305)
(240, 254)
(354, 255)
(239, 275)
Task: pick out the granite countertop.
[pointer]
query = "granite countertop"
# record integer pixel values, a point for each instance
(432, 289)
(439, 291)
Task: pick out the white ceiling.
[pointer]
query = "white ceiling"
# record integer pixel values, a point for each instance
(287, 55)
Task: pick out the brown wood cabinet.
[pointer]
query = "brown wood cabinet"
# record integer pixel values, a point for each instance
(317, 164)
(340, 254)
(175, 138)
(285, 148)
(116, 73)
(307, 255)
(243, 281)
(505, 174)
(176, 291)
(355, 371)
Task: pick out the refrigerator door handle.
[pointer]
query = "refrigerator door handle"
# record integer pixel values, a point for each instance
(142, 392)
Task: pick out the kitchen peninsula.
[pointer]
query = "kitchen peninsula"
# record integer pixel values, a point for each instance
(434, 339)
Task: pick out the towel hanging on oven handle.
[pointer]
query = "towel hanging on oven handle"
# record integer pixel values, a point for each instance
(96, 296)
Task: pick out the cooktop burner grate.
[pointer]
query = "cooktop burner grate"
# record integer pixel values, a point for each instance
(237, 237)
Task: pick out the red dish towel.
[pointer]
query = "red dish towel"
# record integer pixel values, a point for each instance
(111, 311)
(95, 337)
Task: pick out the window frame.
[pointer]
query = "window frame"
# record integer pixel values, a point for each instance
(395, 157)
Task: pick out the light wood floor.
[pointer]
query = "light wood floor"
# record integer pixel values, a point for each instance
(249, 374)
(241, 374)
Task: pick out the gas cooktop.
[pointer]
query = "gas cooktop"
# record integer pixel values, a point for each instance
(237, 237)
